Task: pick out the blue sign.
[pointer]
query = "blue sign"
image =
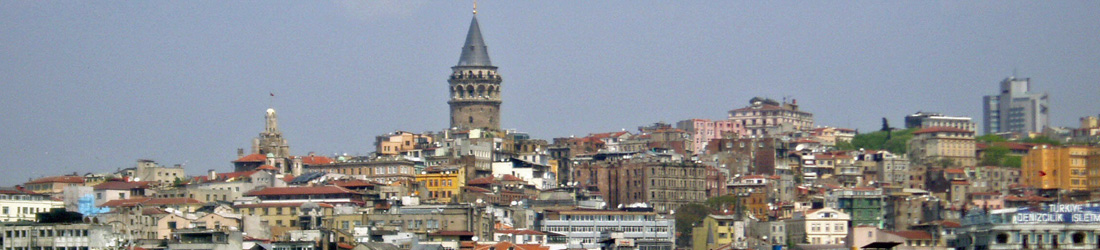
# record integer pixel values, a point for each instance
(1059, 213)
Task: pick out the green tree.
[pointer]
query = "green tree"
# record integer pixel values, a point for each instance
(945, 162)
(687, 216)
(844, 145)
(989, 139)
(1013, 161)
(720, 202)
(994, 156)
(894, 141)
(1041, 140)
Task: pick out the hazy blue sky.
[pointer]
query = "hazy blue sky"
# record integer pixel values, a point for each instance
(90, 86)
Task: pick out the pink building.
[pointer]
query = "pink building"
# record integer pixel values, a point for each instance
(989, 200)
(704, 130)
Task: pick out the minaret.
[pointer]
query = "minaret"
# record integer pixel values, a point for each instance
(475, 85)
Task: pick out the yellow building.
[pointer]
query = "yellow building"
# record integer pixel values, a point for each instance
(400, 142)
(1092, 165)
(553, 167)
(1053, 167)
(717, 231)
(281, 217)
(442, 183)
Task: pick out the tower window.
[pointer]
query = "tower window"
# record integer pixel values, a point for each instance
(471, 119)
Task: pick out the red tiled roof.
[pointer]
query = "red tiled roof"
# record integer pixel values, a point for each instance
(344, 245)
(16, 190)
(950, 224)
(957, 182)
(252, 158)
(476, 189)
(279, 204)
(121, 185)
(267, 167)
(58, 179)
(509, 177)
(941, 129)
(288, 178)
(316, 160)
(153, 210)
(954, 171)
(606, 135)
(1027, 198)
(482, 181)
(1010, 145)
(300, 190)
(912, 234)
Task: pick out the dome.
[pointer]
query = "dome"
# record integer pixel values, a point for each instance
(270, 111)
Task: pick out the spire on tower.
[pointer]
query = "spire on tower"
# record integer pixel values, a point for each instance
(475, 7)
(474, 52)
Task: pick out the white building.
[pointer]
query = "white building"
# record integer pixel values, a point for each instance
(17, 204)
(927, 120)
(586, 228)
(818, 226)
(60, 236)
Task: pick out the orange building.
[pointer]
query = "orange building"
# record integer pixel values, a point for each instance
(1092, 165)
(1053, 167)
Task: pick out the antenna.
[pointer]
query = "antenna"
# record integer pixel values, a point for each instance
(272, 99)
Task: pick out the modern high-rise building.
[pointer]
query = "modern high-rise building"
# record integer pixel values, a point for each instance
(475, 85)
(1016, 109)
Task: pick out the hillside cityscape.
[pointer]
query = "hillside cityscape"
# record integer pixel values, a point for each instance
(763, 175)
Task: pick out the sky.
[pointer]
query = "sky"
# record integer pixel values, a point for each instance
(92, 86)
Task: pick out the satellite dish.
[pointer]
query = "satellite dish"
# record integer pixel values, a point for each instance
(474, 238)
(673, 211)
(800, 147)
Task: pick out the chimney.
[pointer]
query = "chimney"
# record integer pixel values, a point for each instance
(240, 152)
(211, 175)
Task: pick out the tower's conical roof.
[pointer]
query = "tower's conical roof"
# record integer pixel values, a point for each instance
(474, 53)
